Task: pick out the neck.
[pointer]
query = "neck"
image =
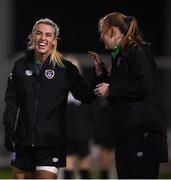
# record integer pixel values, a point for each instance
(41, 57)
(118, 39)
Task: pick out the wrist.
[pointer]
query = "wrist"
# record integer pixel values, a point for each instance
(98, 73)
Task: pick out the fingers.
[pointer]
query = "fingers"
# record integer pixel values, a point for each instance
(92, 53)
(102, 90)
(99, 85)
(94, 56)
(97, 92)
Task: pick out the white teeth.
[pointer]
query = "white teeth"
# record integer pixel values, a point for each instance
(42, 44)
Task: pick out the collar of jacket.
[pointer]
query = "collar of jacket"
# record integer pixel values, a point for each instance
(29, 56)
(29, 59)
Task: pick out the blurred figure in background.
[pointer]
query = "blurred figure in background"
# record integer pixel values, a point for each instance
(79, 130)
(132, 88)
(103, 139)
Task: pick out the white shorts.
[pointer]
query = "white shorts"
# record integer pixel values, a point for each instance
(47, 168)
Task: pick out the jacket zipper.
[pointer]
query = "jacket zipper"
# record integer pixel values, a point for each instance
(35, 112)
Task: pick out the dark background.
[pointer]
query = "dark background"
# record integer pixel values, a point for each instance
(78, 21)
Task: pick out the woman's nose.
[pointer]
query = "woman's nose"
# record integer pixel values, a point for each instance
(43, 36)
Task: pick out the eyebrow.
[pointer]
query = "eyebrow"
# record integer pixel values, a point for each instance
(49, 33)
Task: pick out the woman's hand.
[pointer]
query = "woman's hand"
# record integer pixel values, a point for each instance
(102, 90)
(97, 62)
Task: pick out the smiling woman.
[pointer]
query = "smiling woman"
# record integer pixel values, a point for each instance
(132, 90)
(38, 89)
(43, 39)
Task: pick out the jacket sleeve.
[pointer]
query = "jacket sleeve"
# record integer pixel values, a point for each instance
(80, 89)
(104, 77)
(140, 80)
(9, 116)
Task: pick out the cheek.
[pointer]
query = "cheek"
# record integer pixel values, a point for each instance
(106, 39)
(35, 41)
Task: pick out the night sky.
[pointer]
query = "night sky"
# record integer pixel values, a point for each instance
(78, 21)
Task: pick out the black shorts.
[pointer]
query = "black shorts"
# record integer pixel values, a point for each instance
(27, 158)
(80, 149)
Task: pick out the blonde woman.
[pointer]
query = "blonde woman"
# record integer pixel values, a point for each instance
(36, 100)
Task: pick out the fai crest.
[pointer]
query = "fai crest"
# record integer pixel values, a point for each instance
(49, 73)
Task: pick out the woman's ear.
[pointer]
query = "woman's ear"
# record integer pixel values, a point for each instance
(54, 41)
(112, 31)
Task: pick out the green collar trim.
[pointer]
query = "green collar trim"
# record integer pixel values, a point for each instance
(37, 62)
(115, 51)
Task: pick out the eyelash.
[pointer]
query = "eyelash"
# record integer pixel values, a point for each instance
(48, 35)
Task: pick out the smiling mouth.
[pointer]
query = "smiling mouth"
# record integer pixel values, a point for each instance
(42, 45)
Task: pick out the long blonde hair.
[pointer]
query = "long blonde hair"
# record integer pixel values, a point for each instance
(55, 56)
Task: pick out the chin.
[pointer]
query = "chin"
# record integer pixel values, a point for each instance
(41, 51)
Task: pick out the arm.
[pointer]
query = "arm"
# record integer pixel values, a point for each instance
(9, 116)
(101, 73)
(80, 90)
(97, 62)
(102, 88)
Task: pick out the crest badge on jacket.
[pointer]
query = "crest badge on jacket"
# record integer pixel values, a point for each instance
(49, 73)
